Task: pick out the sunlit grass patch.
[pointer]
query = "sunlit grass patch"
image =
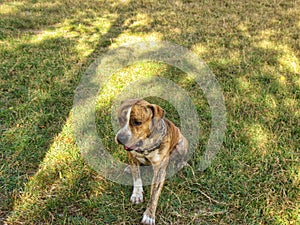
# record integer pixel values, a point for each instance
(258, 138)
(10, 8)
(129, 38)
(141, 22)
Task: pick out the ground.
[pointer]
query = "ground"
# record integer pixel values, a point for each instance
(253, 49)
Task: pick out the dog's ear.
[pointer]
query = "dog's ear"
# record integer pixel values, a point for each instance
(130, 101)
(157, 111)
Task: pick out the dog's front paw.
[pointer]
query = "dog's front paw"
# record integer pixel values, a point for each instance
(148, 220)
(137, 196)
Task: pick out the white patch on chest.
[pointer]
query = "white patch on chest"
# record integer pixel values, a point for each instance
(155, 157)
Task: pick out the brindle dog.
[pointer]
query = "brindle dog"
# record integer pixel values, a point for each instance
(149, 139)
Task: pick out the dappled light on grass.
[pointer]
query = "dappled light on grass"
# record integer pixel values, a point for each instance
(126, 76)
(271, 102)
(258, 139)
(244, 85)
(86, 34)
(287, 58)
(251, 46)
(199, 49)
(12, 7)
(130, 38)
(140, 22)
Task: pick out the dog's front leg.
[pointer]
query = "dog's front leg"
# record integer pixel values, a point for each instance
(137, 193)
(159, 175)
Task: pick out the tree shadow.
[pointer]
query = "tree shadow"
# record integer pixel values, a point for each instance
(38, 102)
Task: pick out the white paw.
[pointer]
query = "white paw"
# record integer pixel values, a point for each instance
(137, 196)
(148, 220)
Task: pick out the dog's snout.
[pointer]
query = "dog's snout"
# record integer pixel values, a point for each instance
(122, 139)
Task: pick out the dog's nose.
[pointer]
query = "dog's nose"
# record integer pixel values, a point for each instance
(122, 139)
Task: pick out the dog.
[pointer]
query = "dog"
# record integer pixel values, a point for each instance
(149, 139)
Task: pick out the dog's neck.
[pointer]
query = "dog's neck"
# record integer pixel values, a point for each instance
(155, 139)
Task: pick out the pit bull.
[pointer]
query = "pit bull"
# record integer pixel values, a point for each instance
(149, 139)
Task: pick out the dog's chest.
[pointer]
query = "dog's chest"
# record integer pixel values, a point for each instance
(146, 159)
(143, 160)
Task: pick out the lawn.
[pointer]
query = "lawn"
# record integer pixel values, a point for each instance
(253, 49)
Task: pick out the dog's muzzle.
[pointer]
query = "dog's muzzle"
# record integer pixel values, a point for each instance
(123, 139)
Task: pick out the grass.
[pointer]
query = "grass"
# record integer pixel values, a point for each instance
(252, 48)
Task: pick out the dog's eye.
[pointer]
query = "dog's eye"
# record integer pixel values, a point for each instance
(136, 123)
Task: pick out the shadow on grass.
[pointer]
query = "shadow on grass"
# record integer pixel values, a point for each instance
(38, 84)
(36, 104)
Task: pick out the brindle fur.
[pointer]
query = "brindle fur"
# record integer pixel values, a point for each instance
(172, 145)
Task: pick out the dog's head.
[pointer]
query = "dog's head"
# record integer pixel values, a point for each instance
(138, 120)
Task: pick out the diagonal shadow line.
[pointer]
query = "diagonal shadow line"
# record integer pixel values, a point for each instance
(117, 28)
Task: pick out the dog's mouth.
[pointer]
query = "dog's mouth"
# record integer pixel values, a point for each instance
(133, 147)
(130, 148)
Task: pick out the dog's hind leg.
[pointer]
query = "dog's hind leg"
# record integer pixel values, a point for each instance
(178, 157)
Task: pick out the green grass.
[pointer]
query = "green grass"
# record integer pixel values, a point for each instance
(252, 47)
